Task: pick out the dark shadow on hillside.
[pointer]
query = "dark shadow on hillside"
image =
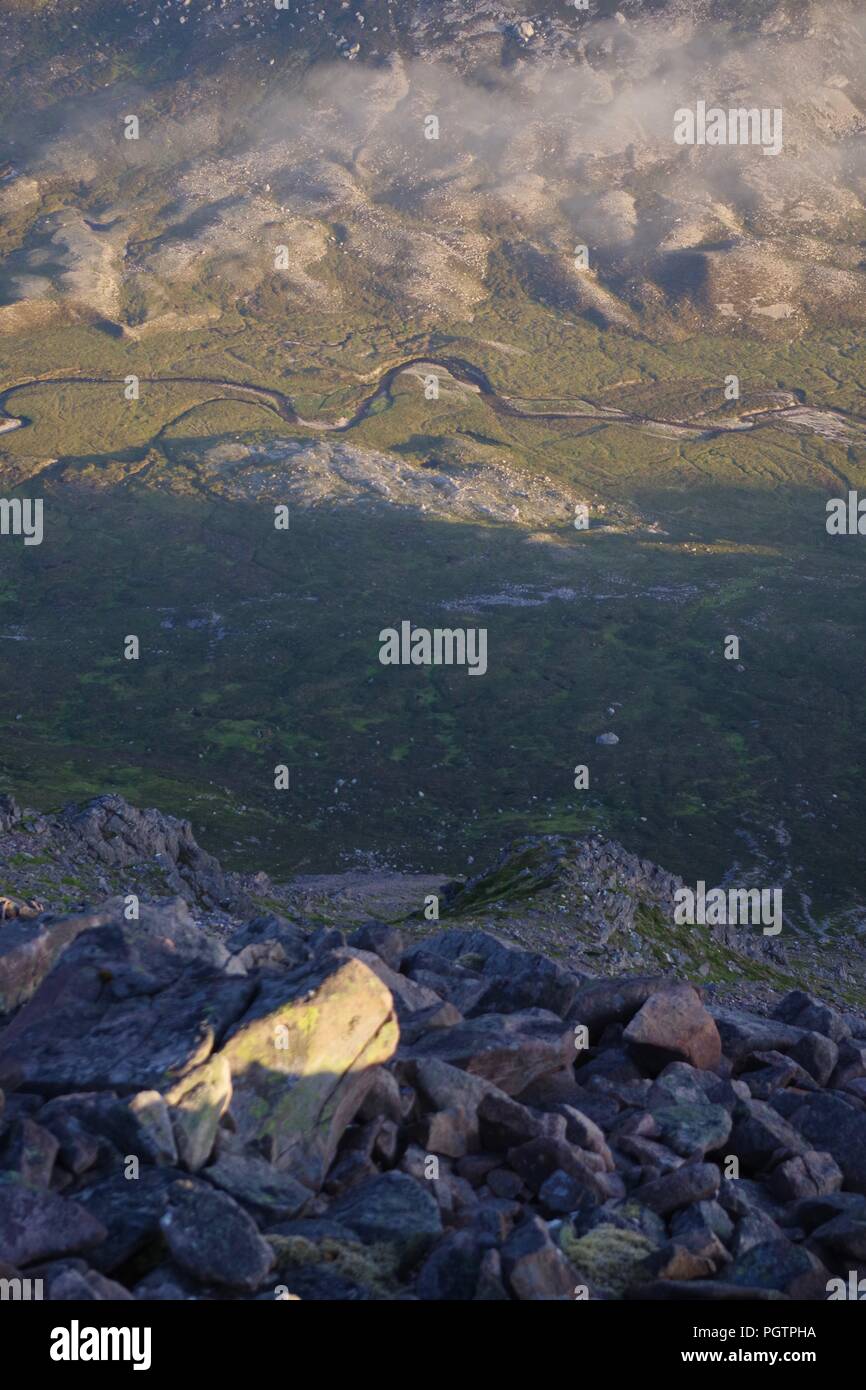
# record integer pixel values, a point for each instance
(261, 649)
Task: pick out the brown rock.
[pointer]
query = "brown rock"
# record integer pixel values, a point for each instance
(673, 1026)
(534, 1267)
(510, 1050)
(28, 953)
(538, 1159)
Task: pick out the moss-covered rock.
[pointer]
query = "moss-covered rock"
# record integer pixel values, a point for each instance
(608, 1256)
(302, 1065)
(371, 1267)
(693, 1129)
(197, 1104)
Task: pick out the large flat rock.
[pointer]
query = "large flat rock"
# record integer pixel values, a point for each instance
(301, 1063)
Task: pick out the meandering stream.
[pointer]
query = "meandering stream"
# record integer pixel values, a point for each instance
(460, 370)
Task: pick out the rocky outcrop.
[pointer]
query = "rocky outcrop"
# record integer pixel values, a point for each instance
(605, 882)
(288, 1114)
(109, 845)
(110, 830)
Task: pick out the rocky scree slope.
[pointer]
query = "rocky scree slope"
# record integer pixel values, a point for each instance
(586, 902)
(275, 1111)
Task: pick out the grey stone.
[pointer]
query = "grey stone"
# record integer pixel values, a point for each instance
(782, 1266)
(385, 940)
(212, 1238)
(803, 1010)
(393, 1210)
(832, 1125)
(38, 1225)
(693, 1182)
(254, 1183)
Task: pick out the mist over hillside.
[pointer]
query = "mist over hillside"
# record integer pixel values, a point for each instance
(559, 136)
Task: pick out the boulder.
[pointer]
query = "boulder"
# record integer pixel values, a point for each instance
(514, 979)
(709, 1216)
(100, 1128)
(743, 1033)
(534, 1267)
(274, 1196)
(510, 1050)
(599, 1003)
(682, 1084)
(560, 1194)
(693, 1130)
(755, 1228)
(385, 940)
(490, 1287)
(844, 1235)
(693, 1182)
(29, 950)
(392, 1210)
(803, 1010)
(583, 1131)
(773, 1071)
(39, 1225)
(452, 1270)
(196, 1105)
(536, 1160)
(268, 941)
(302, 1059)
(450, 1133)
(851, 1065)
(810, 1174)
(692, 1255)
(781, 1266)
(832, 1125)
(212, 1238)
(504, 1123)
(409, 996)
(673, 1025)
(129, 1212)
(29, 1154)
(817, 1054)
(761, 1137)
(73, 1281)
(150, 1112)
(810, 1212)
(128, 1007)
